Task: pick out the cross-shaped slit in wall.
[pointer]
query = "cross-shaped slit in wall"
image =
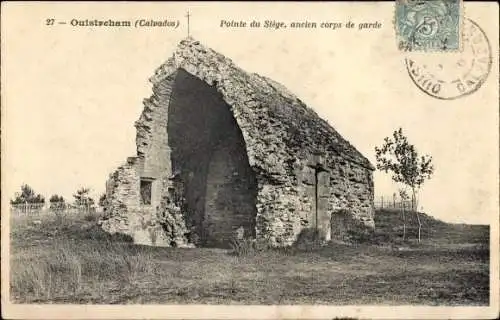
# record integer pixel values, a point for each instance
(318, 168)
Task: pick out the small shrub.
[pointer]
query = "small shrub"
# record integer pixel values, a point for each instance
(359, 235)
(243, 247)
(286, 251)
(262, 245)
(309, 239)
(91, 217)
(380, 238)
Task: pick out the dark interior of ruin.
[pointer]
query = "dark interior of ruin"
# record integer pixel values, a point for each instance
(209, 155)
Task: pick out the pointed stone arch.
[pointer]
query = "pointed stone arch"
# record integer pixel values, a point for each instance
(209, 153)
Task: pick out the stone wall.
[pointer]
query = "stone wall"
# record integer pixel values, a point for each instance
(229, 149)
(230, 193)
(285, 209)
(122, 195)
(125, 215)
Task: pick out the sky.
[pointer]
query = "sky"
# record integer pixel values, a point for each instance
(70, 95)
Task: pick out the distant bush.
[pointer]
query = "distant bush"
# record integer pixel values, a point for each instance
(309, 239)
(56, 199)
(57, 204)
(103, 201)
(360, 235)
(91, 216)
(27, 195)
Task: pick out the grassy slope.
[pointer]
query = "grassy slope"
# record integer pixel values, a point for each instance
(69, 260)
(434, 232)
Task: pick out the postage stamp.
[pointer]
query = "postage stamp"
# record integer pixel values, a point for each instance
(458, 74)
(428, 25)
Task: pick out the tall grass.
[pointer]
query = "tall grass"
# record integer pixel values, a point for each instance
(74, 269)
(69, 259)
(72, 256)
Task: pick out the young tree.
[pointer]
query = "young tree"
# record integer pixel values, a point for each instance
(27, 195)
(404, 198)
(82, 198)
(401, 158)
(102, 200)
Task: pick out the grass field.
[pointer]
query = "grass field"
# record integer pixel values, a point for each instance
(70, 260)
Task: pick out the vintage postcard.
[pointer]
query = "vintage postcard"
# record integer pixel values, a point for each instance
(250, 160)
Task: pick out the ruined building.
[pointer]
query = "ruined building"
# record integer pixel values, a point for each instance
(222, 151)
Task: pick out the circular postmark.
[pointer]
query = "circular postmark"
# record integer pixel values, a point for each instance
(451, 75)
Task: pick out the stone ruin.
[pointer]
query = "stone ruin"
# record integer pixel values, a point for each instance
(222, 152)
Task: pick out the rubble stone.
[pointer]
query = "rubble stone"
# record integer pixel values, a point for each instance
(226, 150)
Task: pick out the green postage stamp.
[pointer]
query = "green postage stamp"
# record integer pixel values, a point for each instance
(429, 25)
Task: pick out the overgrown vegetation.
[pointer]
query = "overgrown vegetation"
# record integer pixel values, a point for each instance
(309, 239)
(243, 247)
(103, 201)
(71, 260)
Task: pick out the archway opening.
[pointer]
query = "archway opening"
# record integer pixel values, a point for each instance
(208, 153)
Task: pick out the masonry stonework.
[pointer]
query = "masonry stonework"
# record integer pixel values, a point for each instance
(228, 151)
